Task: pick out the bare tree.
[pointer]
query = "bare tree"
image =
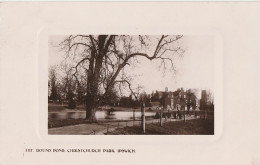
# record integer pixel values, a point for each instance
(52, 84)
(191, 99)
(104, 60)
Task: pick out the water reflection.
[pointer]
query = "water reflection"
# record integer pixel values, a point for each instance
(109, 115)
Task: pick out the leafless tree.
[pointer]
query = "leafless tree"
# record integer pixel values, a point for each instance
(104, 61)
(53, 84)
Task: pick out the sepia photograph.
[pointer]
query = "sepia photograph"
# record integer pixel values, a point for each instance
(130, 84)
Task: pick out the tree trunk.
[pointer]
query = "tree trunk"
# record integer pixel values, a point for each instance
(90, 108)
(90, 114)
(94, 71)
(90, 104)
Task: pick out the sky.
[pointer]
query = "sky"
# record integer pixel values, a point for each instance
(194, 70)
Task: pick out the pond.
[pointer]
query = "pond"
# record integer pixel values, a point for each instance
(101, 115)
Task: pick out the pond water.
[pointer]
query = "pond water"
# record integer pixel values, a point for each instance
(116, 115)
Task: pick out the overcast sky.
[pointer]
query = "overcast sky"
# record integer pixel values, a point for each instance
(194, 70)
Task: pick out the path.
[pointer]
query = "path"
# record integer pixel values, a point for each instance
(102, 128)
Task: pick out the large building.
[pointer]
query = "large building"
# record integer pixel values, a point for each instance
(177, 100)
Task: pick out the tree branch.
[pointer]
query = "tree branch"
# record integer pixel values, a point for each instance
(129, 86)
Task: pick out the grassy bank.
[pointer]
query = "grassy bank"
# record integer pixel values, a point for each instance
(190, 127)
(65, 122)
(53, 107)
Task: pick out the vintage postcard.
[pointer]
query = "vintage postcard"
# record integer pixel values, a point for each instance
(129, 83)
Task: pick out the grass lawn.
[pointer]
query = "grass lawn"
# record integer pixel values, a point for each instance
(190, 127)
(66, 122)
